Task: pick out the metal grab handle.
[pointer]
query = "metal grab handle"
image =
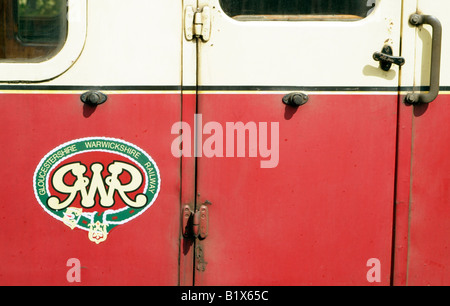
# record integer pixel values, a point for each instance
(417, 20)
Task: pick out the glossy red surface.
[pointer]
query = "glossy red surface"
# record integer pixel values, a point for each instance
(35, 247)
(322, 213)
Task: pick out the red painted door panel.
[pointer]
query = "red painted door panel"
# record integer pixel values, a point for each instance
(35, 245)
(322, 213)
(429, 256)
(423, 198)
(308, 195)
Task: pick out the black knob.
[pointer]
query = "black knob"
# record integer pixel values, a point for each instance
(295, 99)
(93, 98)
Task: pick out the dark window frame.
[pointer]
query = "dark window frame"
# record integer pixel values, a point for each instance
(299, 10)
(15, 47)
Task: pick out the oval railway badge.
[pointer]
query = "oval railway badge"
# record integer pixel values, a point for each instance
(96, 184)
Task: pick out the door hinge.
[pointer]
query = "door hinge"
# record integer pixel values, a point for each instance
(195, 224)
(197, 23)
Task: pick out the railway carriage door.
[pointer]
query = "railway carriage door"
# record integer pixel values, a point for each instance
(90, 192)
(296, 130)
(423, 256)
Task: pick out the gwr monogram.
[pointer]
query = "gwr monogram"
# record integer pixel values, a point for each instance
(96, 184)
(88, 188)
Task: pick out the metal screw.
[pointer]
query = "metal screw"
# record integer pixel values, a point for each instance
(412, 98)
(415, 19)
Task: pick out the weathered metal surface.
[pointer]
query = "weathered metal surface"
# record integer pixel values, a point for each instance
(322, 213)
(36, 246)
(429, 255)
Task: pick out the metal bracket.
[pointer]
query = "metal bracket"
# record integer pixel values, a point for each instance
(197, 23)
(195, 224)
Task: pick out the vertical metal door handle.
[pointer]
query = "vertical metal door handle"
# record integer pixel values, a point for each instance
(417, 20)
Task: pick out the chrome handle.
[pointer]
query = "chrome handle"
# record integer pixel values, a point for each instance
(436, 46)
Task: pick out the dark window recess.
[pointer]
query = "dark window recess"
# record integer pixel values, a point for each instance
(32, 30)
(297, 9)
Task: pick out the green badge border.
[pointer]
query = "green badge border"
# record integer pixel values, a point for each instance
(64, 151)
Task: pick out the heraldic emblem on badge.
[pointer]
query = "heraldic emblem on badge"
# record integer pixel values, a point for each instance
(96, 184)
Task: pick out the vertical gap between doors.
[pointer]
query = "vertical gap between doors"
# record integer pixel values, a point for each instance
(195, 150)
(396, 172)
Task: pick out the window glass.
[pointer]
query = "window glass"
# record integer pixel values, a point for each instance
(297, 9)
(32, 30)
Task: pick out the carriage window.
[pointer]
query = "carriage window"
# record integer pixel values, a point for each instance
(32, 30)
(293, 10)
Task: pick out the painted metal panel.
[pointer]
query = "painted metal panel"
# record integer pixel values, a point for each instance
(325, 209)
(429, 257)
(422, 256)
(36, 246)
(321, 213)
(124, 57)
